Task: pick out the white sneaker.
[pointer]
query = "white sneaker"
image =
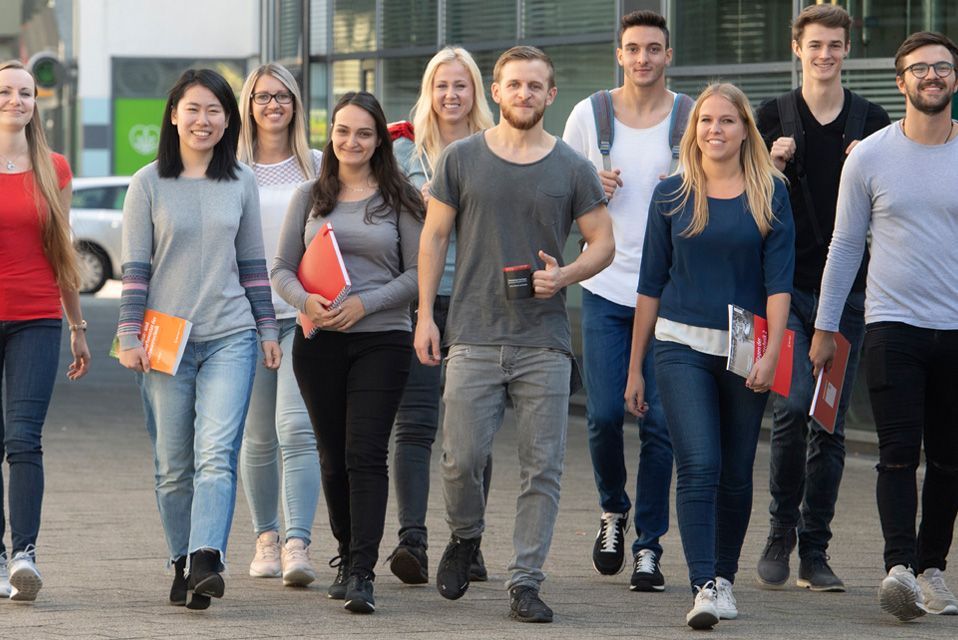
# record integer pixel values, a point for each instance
(938, 597)
(725, 601)
(900, 594)
(5, 587)
(25, 580)
(704, 613)
(266, 563)
(297, 570)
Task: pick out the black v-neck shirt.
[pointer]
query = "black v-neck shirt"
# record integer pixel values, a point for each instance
(824, 158)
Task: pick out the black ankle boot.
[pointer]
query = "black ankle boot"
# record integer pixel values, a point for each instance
(205, 580)
(179, 588)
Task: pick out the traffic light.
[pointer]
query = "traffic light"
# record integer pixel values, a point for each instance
(47, 69)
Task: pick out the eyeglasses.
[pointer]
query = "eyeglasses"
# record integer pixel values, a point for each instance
(283, 97)
(920, 69)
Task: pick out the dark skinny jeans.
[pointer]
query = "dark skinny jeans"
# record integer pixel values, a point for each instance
(913, 383)
(352, 383)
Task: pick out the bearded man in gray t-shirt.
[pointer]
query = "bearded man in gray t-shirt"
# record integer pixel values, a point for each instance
(511, 193)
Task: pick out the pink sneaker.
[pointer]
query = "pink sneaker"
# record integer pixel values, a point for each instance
(266, 562)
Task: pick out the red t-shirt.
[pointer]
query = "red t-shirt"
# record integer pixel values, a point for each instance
(28, 285)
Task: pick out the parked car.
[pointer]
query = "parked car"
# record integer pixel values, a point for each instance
(96, 217)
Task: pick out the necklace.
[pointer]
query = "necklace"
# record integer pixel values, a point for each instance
(11, 165)
(356, 189)
(951, 127)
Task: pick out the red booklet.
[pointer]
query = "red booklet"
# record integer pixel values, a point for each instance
(323, 271)
(828, 387)
(164, 338)
(747, 341)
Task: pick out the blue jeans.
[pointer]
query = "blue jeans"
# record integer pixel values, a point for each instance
(478, 379)
(606, 346)
(806, 461)
(195, 421)
(714, 421)
(29, 355)
(278, 423)
(417, 422)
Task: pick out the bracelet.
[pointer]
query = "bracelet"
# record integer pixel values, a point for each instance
(79, 327)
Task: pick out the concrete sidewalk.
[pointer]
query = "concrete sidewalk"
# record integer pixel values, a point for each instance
(102, 554)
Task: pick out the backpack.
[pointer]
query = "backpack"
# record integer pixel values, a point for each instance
(787, 104)
(605, 131)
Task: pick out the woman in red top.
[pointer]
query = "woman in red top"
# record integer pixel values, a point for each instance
(39, 273)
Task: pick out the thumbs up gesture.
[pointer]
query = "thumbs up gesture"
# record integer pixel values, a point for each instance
(548, 280)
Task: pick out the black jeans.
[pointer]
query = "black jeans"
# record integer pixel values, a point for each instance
(416, 424)
(352, 383)
(913, 382)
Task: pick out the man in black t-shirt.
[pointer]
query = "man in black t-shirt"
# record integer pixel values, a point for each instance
(810, 131)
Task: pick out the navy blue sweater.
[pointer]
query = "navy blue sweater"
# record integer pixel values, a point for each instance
(696, 278)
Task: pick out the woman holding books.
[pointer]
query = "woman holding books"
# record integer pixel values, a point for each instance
(720, 233)
(352, 372)
(193, 249)
(39, 276)
(451, 106)
(273, 143)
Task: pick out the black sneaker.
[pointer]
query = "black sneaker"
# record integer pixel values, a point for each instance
(815, 574)
(179, 589)
(608, 552)
(359, 594)
(646, 575)
(477, 570)
(773, 564)
(409, 563)
(337, 590)
(527, 606)
(452, 578)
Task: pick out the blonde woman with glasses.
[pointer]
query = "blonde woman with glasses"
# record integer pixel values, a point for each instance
(273, 142)
(451, 106)
(720, 233)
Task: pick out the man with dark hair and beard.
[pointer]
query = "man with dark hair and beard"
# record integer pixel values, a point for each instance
(511, 193)
(899, 185)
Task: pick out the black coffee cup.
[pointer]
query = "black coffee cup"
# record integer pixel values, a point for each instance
(518, 281)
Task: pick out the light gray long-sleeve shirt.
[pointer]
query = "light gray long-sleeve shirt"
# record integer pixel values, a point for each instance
(380, 257)
(904, 193)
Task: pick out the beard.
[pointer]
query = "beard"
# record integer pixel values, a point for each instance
(931, 106)
(517, 121)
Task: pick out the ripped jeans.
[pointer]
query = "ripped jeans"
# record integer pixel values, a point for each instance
(912, 380)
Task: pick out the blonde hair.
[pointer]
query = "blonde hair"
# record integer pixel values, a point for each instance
(424, 119)
(55, 227)
(756, 163)
(298, 140)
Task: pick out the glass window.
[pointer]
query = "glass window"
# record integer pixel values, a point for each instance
(409, 23)
(318, 27)
(318, 100)
(542, 18)
(92, 198)
(757, 86)
(117, 195)
(730, 31)
(580, 71)
(469, 21)
(289, 30)
(402, 78)
(354, 25)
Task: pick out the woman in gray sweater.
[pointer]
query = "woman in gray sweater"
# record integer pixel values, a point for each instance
(352, 372)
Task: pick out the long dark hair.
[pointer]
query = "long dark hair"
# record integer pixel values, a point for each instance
(397, 192)
(223, 166)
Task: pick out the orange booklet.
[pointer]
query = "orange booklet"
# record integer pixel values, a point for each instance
(747, 341)
(164, 338)
(828, 387)
(323, 271)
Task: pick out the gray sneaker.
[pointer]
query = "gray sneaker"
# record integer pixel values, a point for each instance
(772, 566)
(938, 597)
(815, 574)
(900, 594)
(24, 577)
(5, 587)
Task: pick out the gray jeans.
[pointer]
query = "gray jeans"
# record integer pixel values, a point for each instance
(478, 378)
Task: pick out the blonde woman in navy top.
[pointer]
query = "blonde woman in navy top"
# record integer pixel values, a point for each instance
(720, 233)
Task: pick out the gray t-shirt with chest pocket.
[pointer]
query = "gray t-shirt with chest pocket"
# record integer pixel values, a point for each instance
(506, 213)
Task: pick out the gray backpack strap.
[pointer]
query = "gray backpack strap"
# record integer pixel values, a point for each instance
(604, 129)
(678, 121)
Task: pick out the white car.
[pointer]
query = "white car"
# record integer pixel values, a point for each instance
(96, 218)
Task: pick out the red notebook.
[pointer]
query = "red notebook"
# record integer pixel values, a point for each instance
(747, 341)
(828, 387)
(323, 271)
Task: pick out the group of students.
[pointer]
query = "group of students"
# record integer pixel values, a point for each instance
(748, 220)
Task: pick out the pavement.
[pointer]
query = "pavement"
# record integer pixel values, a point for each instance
(102, 553)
